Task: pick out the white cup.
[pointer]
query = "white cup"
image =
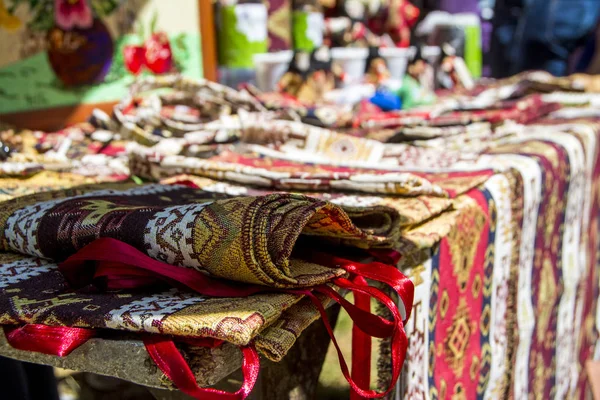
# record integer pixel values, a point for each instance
(353, 61)
(397, 59)
(270, 67)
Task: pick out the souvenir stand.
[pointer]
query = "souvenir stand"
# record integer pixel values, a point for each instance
(200, 239)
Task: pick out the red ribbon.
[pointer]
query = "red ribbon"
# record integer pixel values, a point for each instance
(120, 265)
(170, 361)
(60, 341)
(399, 344)
(399, 341)
(376, 271)
(123, 266)
(361, 344)
(55, 340)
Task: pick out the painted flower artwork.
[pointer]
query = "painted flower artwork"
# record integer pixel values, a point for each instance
(66, 14)
(153, 54)
(80, 48)
(69, 14)
(79, 45)
(65, 52)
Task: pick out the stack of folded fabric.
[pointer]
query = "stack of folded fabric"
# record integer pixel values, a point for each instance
(487, 200)
(191, 252)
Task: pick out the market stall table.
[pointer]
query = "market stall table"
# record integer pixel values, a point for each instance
(495, 219)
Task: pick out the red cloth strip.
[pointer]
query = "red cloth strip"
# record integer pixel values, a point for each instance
(170, 361)
(361, 344)
(60, 341)
(53, 340)
(376, 271)
(111, 254)
(399, 345)
(370, 324)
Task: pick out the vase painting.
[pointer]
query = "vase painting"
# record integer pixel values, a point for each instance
(80, 56)
(65, 52)
(80, 47)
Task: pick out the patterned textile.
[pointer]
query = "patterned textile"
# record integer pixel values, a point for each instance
(431, 132)
(241, 239)
(385, 171)
(149, 119)
(479, 274)
(279, 174)
(494, 108)
(491, 196)
(34, 291)
(275, 341)
(518, 244)
(74, 156)
(411, 210)
(80, 149)
(525, 247)
(279, 26)
(41, 182)
(521, 111)
(185, 227)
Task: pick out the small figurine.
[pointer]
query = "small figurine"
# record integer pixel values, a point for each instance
(422, 71)
(377, 71)
(453, 72)
(309, 76)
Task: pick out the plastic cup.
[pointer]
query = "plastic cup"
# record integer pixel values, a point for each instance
(397, 59)
(270, 67)
(353, 61)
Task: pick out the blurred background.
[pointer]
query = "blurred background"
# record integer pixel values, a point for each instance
(61, 58)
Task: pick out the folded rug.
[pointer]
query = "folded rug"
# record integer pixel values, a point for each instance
(159, 115)
(421, 176)
(411, 210)
(35, 292)
(279, 174)
(242, 239)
